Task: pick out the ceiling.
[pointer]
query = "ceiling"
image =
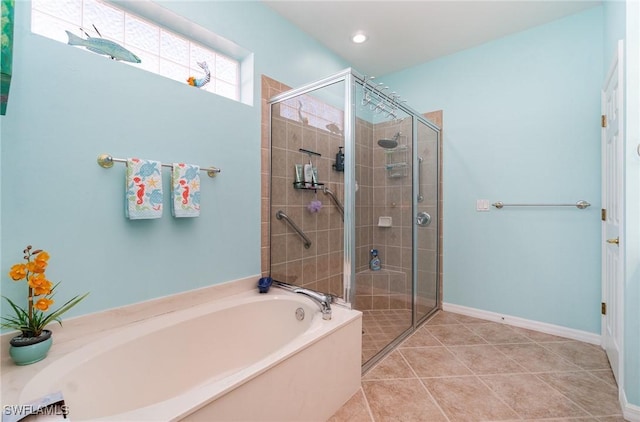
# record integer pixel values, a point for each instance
(405, 33)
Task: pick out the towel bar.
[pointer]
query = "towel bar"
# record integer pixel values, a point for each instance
(582, 204)
(106, 161)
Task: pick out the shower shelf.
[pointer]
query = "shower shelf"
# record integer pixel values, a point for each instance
(313, 187)
(396, 165)
(399, 148)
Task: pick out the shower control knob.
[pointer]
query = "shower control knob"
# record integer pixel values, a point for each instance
(423, 219)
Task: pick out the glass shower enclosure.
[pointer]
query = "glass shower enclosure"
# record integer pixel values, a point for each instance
(354, 203)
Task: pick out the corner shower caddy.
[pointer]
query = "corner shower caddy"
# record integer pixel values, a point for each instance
(397, 164)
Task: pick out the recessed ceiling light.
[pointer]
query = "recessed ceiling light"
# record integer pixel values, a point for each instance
(359, 38)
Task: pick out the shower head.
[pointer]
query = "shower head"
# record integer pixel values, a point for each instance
(389, 143)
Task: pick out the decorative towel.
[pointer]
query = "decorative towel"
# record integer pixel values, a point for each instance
(185, 184)
(144, 189)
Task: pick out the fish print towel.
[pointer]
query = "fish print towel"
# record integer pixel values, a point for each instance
(144, 189)
(185, 184)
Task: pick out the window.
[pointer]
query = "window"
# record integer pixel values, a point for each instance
(161, 50)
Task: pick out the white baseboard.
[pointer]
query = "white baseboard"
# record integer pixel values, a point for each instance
(555, 330)
(630, 412)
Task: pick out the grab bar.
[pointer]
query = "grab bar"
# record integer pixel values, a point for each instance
(580, 205)
(335, 200)
(280, 215)
(420, 195)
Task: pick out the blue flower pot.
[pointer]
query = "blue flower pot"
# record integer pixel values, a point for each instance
(31, 353)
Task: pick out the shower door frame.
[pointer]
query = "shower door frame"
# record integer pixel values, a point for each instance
(351, 78)
(347, 77)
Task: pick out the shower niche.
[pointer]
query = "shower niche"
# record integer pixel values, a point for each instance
(391, 156)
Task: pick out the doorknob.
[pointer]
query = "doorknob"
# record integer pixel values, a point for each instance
(615, 241)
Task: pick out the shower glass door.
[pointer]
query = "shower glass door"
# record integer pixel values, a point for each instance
(306, 215)
(427, 222)
(384, 223)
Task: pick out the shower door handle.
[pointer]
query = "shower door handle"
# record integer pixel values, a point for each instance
(420, 195)
(423, 219)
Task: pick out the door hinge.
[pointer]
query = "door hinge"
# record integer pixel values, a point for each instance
(603, 121)
(603, 308)
(603, 214)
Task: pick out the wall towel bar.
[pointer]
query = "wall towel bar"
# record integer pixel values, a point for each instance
(281, 215)
(106, 161)
(580, 205)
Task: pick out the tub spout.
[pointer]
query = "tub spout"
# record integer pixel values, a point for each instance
(324, 300)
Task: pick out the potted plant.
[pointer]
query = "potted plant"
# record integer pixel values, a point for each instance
(34, 341)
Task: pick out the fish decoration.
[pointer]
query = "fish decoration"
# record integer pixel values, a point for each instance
(104, 47)
(303, 119)
(199, 83)
(334, 129)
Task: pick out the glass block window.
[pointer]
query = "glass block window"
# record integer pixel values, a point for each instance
(160, 50)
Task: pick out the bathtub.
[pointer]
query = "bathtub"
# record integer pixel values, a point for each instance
(243, 357)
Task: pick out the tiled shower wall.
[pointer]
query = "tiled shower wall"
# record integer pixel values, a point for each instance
(385, 192)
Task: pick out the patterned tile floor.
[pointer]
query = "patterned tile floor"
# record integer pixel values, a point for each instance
(457, 368)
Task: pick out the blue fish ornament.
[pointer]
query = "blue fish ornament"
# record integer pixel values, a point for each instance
(104, 47)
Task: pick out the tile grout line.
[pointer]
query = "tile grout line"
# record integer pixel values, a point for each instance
(561, 393)
(555, 372)
(483, 383)
(366, 403)
(578, 370)
(425, 387)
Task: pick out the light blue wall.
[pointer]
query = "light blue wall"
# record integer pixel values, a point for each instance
(521, 125)
(614, 13)
(622, 23)
(68, 105)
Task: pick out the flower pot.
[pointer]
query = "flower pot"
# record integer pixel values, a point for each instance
(28, 350)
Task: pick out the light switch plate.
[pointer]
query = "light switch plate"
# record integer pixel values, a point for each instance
(482, 205)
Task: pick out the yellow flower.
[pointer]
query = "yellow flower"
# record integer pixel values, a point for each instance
(43, 304)
(18, 272)
(41, 260)
(41, 285)
(43, 289)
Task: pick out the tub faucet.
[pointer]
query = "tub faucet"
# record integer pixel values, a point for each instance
(324, 300)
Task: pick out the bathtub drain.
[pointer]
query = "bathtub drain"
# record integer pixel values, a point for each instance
(299, 314)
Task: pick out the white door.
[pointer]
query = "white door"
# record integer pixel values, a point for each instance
(613, 214)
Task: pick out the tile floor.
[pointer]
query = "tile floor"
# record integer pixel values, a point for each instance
(457, 368)
(381, 327)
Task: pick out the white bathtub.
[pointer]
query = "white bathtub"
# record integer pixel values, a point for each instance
(244, 357)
